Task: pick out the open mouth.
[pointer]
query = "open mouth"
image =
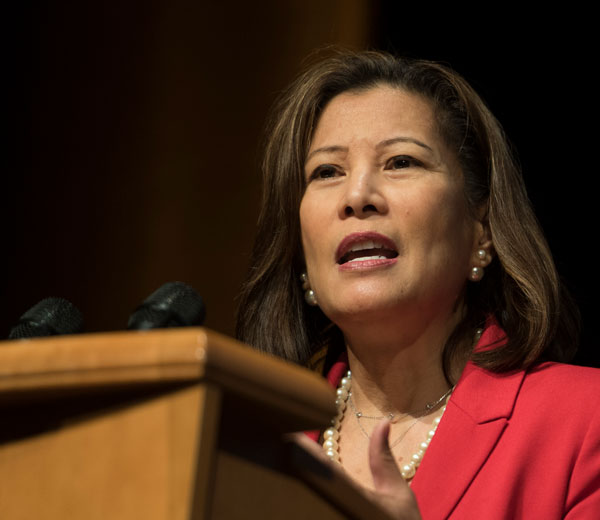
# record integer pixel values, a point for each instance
(360, 249)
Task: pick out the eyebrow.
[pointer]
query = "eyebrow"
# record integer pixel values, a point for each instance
(378, 146)
(395, 140)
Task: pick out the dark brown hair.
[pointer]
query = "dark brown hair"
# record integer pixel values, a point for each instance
(521, 288)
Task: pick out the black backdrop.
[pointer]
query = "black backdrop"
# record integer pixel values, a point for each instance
(534, 69)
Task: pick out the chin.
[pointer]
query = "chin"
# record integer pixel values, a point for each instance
(361, 308)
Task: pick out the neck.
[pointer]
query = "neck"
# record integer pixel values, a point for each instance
(397, 369)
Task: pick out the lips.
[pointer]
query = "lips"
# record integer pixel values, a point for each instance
(365, 247)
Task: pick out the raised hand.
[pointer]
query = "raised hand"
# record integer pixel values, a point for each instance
(391, 493)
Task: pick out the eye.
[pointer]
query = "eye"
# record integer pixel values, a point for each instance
(324, 171)
(400, 162)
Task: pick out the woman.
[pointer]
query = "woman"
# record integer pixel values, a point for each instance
(396, 240)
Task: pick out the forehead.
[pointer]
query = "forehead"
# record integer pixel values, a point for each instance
(375, 114)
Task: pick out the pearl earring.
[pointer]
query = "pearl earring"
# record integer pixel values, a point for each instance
(309, 295)
(476, 274)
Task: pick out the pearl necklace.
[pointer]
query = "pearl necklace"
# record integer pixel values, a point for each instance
(331, 435)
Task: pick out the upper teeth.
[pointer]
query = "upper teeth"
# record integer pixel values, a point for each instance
(367, 244)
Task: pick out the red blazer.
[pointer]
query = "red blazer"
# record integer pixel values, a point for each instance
(524, 445)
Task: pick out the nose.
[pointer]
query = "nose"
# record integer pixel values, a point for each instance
(363, 195)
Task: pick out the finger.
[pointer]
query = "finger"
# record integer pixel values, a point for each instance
(309, 445)
(386, 474)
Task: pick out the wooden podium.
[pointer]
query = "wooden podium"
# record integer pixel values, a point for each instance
(173, 424)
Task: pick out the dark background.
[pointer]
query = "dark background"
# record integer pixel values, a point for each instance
(133, 136)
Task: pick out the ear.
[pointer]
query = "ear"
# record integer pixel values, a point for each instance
(482, 241)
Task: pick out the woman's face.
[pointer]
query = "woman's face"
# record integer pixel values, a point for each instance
(385, 225)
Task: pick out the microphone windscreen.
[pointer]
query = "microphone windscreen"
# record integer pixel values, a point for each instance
(49, 317)
(175, 304)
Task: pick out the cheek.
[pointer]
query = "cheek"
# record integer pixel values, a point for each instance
(455, 234)
(309, 231)
(441, 218)
(315, 221)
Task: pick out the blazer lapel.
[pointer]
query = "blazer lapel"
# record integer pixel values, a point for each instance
(475, 418)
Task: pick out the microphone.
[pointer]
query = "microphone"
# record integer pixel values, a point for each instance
(49, 317)
(174, 304)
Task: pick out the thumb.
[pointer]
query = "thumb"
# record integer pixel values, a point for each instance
(391, 491)
(386, 474)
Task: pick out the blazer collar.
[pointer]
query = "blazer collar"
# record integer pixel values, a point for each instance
(475, 418)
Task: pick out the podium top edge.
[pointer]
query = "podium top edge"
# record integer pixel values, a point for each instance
(154, 357)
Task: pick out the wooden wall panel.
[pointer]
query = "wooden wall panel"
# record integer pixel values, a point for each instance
(136, 149)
